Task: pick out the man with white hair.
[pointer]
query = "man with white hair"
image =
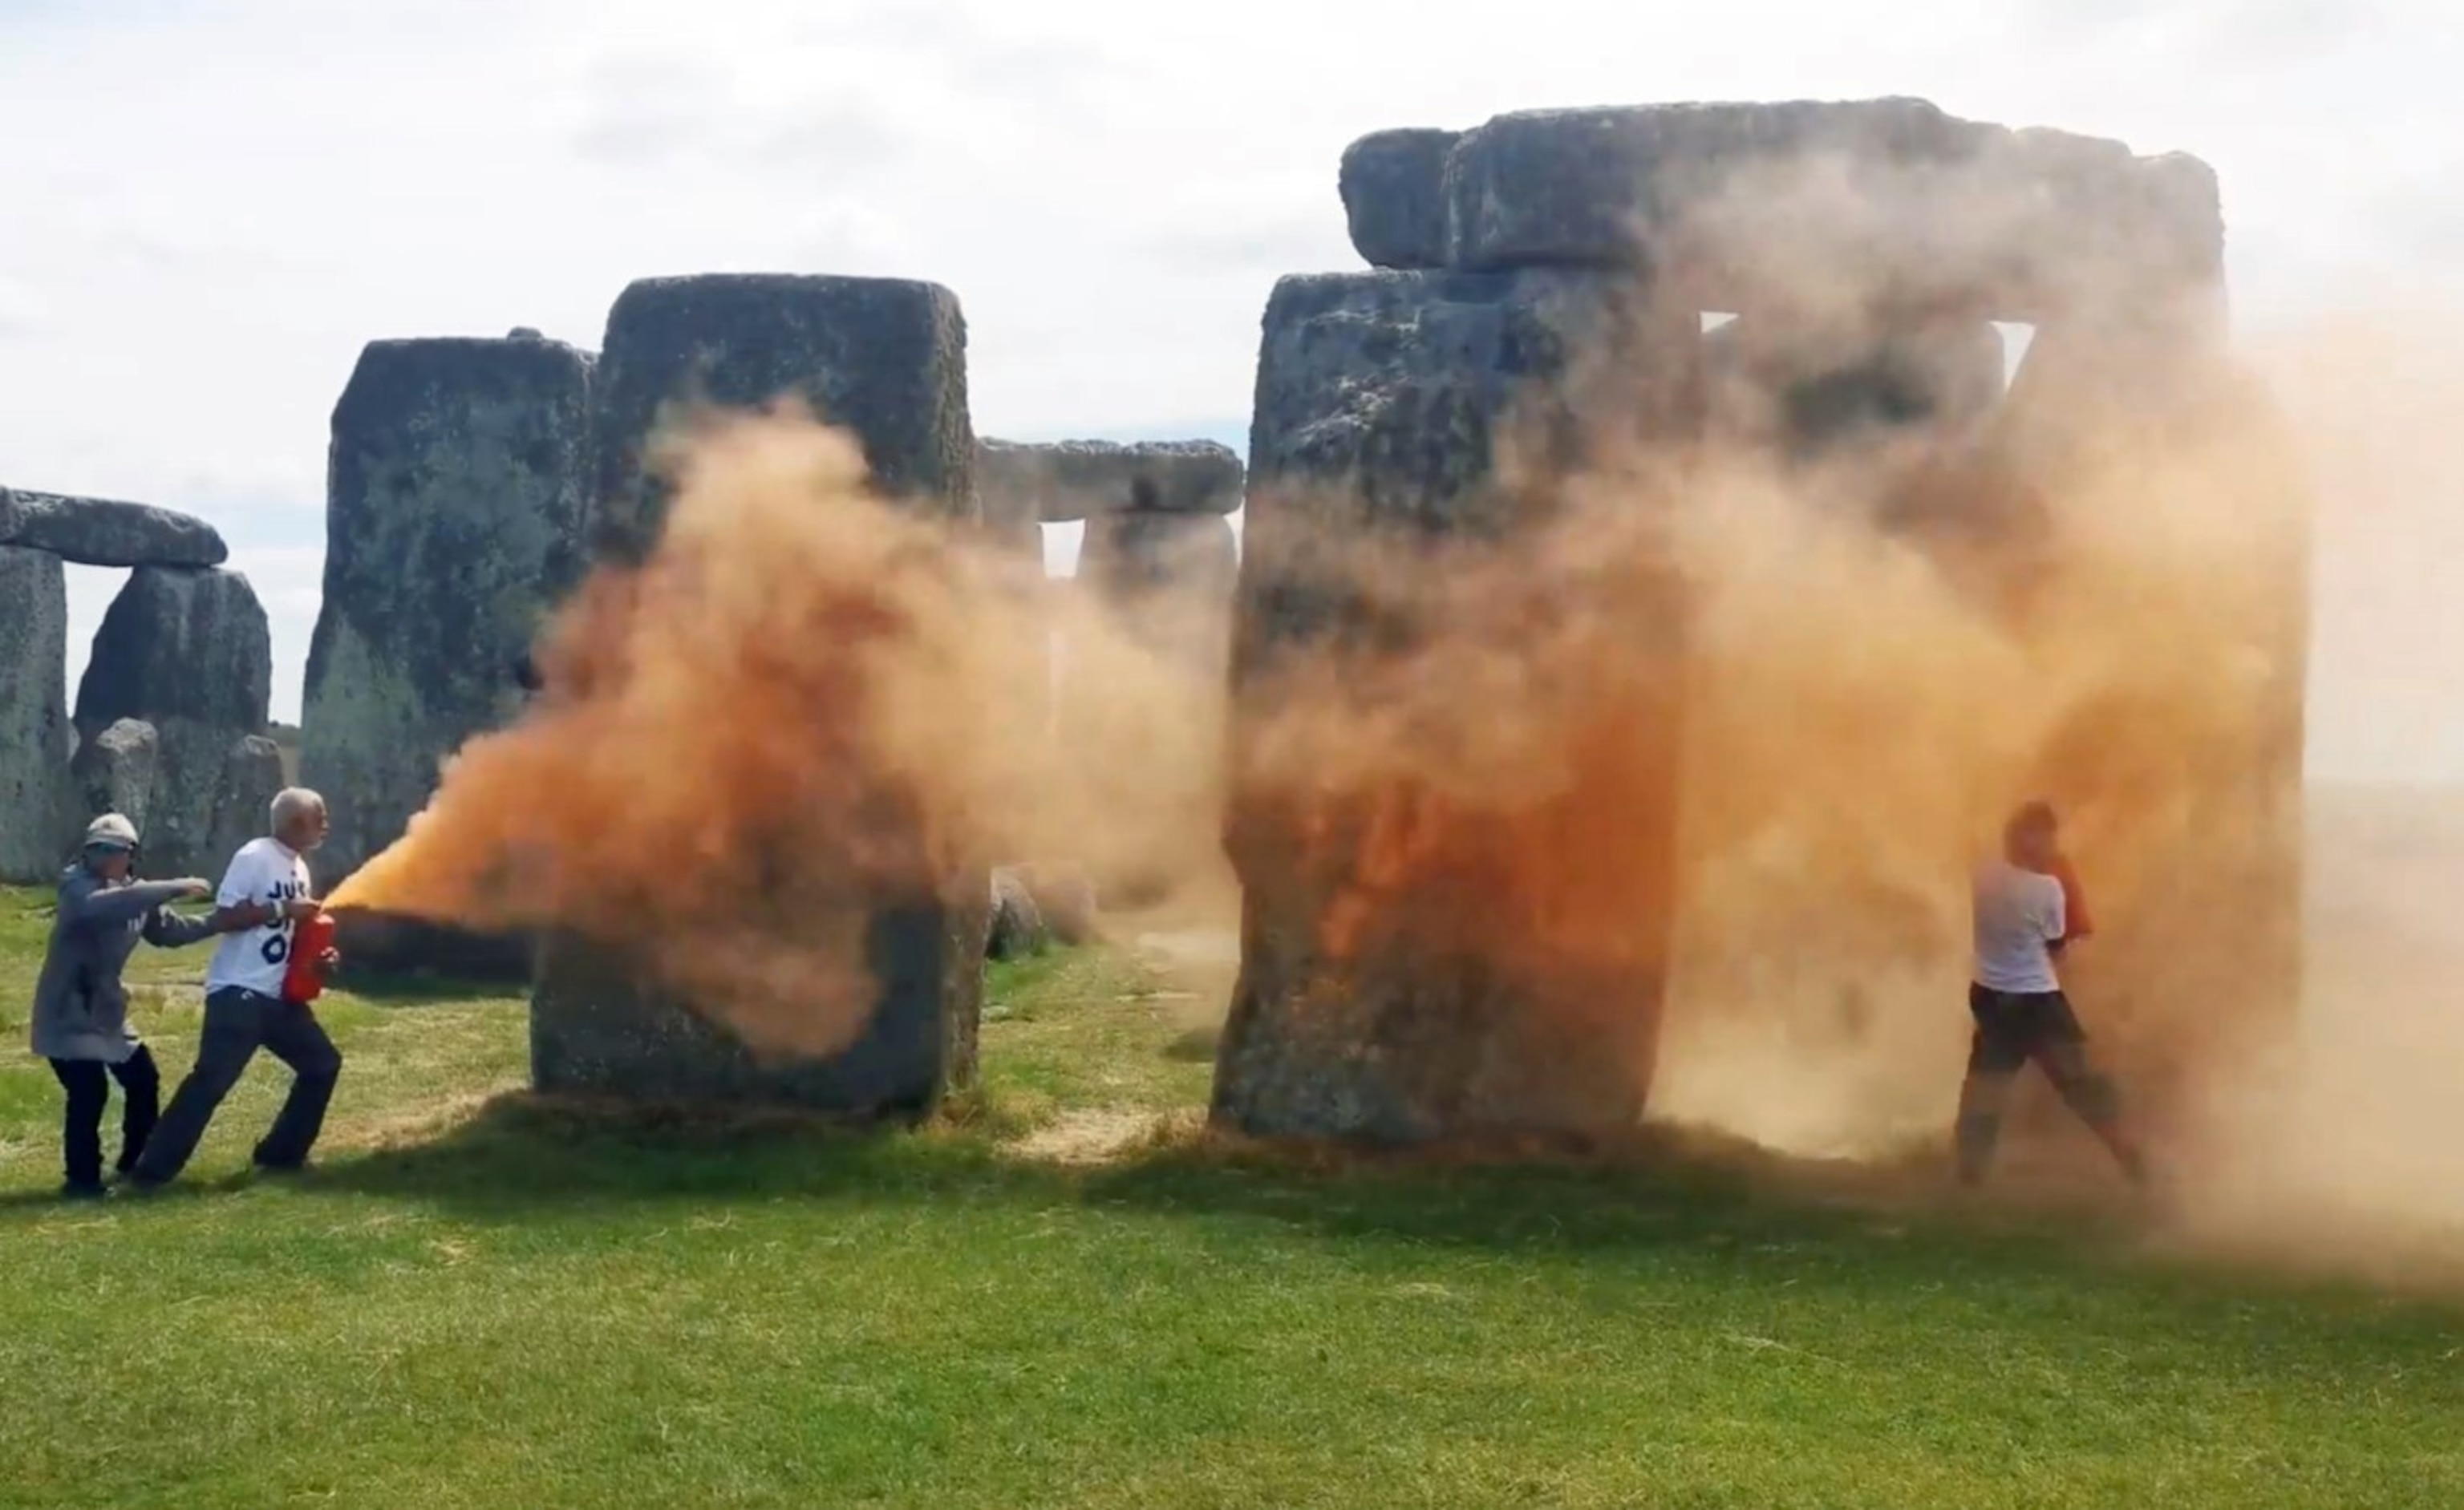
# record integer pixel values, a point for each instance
(246, 1010)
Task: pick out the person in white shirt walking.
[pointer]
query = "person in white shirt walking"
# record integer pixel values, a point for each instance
(245, 1009)
(2022, 924)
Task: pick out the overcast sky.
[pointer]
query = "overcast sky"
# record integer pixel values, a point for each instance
(214, 204)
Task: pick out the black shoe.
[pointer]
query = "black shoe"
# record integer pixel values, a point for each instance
(80, 1190)
(281, 1170)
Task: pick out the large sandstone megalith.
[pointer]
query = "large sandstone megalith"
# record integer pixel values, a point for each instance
(886, 360)
(1170, 577)
(456, 495)
(116, 771)
(34, 734)
(1388, 408)
(883, 358)
(1430, 411)
(456, 489)
(1864, 246)
(1157, 555)
(189, 653)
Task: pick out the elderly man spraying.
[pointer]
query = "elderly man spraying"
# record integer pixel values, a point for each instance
(81, 1018)
(246, 1010)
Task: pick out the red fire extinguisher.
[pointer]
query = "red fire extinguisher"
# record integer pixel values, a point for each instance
(2074, 902)
(302, 980)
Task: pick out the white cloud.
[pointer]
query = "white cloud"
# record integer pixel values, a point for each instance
(21, 310)
(224, 202)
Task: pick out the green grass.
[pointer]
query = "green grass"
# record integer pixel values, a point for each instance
(483, 1300)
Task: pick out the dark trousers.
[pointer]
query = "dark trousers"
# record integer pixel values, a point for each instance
(237, 1024)
(2013, 1029)
(88, 1083)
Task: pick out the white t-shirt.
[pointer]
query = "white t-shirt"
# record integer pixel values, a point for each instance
(2018, 913)
(264, 870)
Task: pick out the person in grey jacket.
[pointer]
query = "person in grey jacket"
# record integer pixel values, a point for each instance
(81, 1019)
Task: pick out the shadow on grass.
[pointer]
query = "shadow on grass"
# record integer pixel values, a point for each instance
(48, 1199)
(407, 988)
(523, 1156)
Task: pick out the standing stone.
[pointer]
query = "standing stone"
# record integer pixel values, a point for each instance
(34, 732)
(1065, 899)
(882, 358)
(116, 771)
(1011, 520)
(454, 506)
(1407, 388)
(1170, 575)
(1016, 928)
(246, 782)
(1148, 551)
(189, 653)
(886, 360)
(103, 532)
(1402, 411)
(1013, 526)
(187, 645)
(1146, 735)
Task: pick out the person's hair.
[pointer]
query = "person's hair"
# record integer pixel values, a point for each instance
(2032, 818)
(290, 804)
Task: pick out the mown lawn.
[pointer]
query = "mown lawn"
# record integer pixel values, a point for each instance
(1062, 1296)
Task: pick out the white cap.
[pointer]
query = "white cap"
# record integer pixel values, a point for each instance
(111, 831)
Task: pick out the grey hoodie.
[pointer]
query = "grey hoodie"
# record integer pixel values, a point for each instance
(80, 1008)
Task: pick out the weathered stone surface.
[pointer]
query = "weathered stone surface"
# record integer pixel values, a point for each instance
(1590, 186)
(1016, 927)
(1749, 206)
(202, 791)
(399, 948)
(1130, 555)
(1386, 406)
(455, 500)
(1170, 575)
(1009, 516)
(242, 803)
(1062, 481)
(189, 652)
(103, 532)
(211, 791)
(1806, 392)
(596, 1031)
(1400, 390)
(116, 772)
(34, 734)
(1393, 185)
(190, 644)
(886, 360)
